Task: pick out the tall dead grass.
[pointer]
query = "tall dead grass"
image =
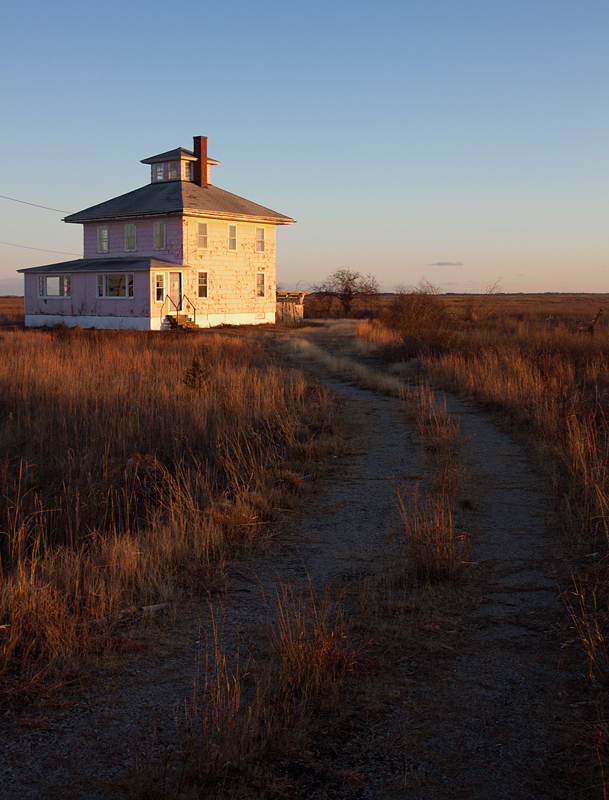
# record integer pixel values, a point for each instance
(123, 484)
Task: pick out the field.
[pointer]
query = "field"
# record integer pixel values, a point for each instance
(11, 311)
(137, 469)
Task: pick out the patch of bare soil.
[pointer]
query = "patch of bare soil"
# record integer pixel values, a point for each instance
(461, 693)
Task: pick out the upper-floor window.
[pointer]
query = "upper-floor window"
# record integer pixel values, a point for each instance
(54, 286)
(160, 236)
(202, 235)
(202, 285)
(232, 237)
(158, 171)
(115, 284)
(173, 170)
(260, 240)
(260, 284)
(130, 236)
(188, 171)
(102, 239)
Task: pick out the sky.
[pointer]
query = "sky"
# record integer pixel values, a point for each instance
(462, 142)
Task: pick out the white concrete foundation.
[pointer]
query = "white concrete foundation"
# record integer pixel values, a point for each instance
(143, 323)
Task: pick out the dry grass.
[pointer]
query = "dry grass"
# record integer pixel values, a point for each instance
(124, 483)
(239, 718)
(309, 641)
(541, 361)
(11, 311)
(436, 550)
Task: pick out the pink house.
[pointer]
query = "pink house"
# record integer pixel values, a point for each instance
(176, 250)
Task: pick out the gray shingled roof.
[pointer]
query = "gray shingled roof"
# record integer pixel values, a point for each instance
(179, 197)
(170, 155)
(105, 265)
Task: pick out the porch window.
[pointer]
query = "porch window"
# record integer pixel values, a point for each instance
(115, 284)
(202, 235)
(232, 237)
(160, 235)
(159, 287)
(102, 239)
(260, 284)
(130, 236)
(202, 285)
(54, 286)
(260, 240)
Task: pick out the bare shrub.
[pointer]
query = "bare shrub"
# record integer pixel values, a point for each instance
(422, 319)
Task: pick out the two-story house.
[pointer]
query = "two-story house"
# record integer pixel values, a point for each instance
(177, 247)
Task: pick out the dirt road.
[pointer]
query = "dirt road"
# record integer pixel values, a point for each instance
(464, 695)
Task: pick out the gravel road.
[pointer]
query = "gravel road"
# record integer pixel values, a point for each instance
(470, 713)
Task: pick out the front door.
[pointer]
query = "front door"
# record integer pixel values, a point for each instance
(175, 290)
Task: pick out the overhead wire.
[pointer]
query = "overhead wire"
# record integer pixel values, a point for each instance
(36, 205)
(40, 249)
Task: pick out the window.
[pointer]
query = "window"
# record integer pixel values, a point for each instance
(159, 235)
(232, 237)
(172, 170)
(115, 284)
(202, 290)
(54, 286)
(130, 236)
(159, 172)
(188, 171)
(260, 240)
(202, 235)
(260, 284)
(102, 239)
(159, 287)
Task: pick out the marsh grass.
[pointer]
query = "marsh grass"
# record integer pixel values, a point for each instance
(240, 717)
(132, 464)
(311, 643)
(437, 551)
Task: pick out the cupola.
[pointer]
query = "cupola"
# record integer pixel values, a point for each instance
(182, 165)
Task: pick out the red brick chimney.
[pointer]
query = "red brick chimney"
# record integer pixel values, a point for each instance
(200, 150)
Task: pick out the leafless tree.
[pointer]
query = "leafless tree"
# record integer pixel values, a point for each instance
(347, 286)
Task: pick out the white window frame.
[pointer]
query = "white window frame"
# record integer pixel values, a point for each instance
(260, 284)
(201, 235)
(232, 237)
(64, 286)
(130, 237)
(202, 285)
(173, 171)
(260, 240)
(188, 171)
(159, 287)
(103, 239)
(102, 289)
(160, 235)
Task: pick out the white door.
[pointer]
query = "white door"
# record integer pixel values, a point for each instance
(175, 291)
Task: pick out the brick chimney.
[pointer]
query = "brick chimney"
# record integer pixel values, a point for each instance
(201, 172)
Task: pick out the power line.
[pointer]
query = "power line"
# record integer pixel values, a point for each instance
(25, 203)
(41, 249)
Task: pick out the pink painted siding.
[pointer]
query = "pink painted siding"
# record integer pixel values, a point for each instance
(145, 240)
(84, 300)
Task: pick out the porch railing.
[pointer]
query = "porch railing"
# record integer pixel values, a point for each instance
(166, 308)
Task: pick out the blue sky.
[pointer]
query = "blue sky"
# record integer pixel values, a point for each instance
(457, 141)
